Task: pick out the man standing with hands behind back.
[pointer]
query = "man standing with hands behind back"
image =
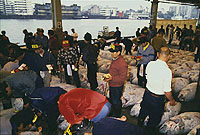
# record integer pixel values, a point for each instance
(159, 78)
(118, 73)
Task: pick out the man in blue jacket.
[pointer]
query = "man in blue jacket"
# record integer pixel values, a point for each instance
(45, 100)
(144, 55)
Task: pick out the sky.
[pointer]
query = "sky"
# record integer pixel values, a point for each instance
(120, 4)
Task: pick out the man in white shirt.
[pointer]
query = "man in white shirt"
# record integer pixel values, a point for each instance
(74, 35)
(159, 78)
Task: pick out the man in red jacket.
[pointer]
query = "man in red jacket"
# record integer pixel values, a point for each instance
(81, 103)
(118, 73)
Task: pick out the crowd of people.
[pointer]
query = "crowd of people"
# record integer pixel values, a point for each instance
(26, 74)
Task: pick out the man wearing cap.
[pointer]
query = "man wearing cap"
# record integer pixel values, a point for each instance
(69, 59)
(42, 39)
(144, 55)
(45, 63)
(159, 78)
(89, 55)
(118, 75)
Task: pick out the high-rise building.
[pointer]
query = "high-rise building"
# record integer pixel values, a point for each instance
(67, 11)
(10, 8)
(42, 9)
(194, 12)
(94, 10)
(183, 11)
(73, 10)
(2, 7)
(173, 9)
(109, 11)
(23, 7)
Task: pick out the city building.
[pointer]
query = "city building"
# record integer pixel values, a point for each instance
(173, 9)
(94, 10)
(23, 7)
(71, 11)
(42, 9)
(2, 7)
(109, 11)
(10, 8)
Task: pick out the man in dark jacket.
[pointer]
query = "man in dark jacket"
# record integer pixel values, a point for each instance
(117, 35)
(90, 54)
(45, 63)
(42, 39)
(118, 73)
(45, 101)
(128, 45)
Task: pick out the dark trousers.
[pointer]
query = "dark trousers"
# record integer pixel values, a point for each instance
(128, 50)
(92, 75)
(197, 56)
(141, 79)
(75, 76)
(152, 106)
(115, 98)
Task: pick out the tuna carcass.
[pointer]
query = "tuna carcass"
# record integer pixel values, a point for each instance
(188, 92)
(170, 111)
(179, 83)
(181, 123)
(103, 87)
(195, 131)
(190, 75)
(55, 82)
(179, 70)
(135, 110)
(132, 73)
(30, 133)
(5, 127)
(105, 55)
(132, 94)
(196, 66)
(189, 64)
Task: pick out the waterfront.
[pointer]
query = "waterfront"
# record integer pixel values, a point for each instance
(14, 27)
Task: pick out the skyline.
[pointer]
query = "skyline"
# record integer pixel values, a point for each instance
(120, 4)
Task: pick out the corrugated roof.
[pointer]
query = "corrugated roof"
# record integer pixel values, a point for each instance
(195, 2)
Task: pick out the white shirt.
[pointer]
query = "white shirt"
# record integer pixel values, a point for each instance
(159, 77)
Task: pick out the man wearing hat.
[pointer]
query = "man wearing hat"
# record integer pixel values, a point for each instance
(144, 55)
(118, 74)
(45, 63)
(69, 59)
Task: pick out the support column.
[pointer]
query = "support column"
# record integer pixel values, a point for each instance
(198, 18)
(154, 12)
(57, 18)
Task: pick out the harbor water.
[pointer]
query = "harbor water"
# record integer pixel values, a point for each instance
(14, 27)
